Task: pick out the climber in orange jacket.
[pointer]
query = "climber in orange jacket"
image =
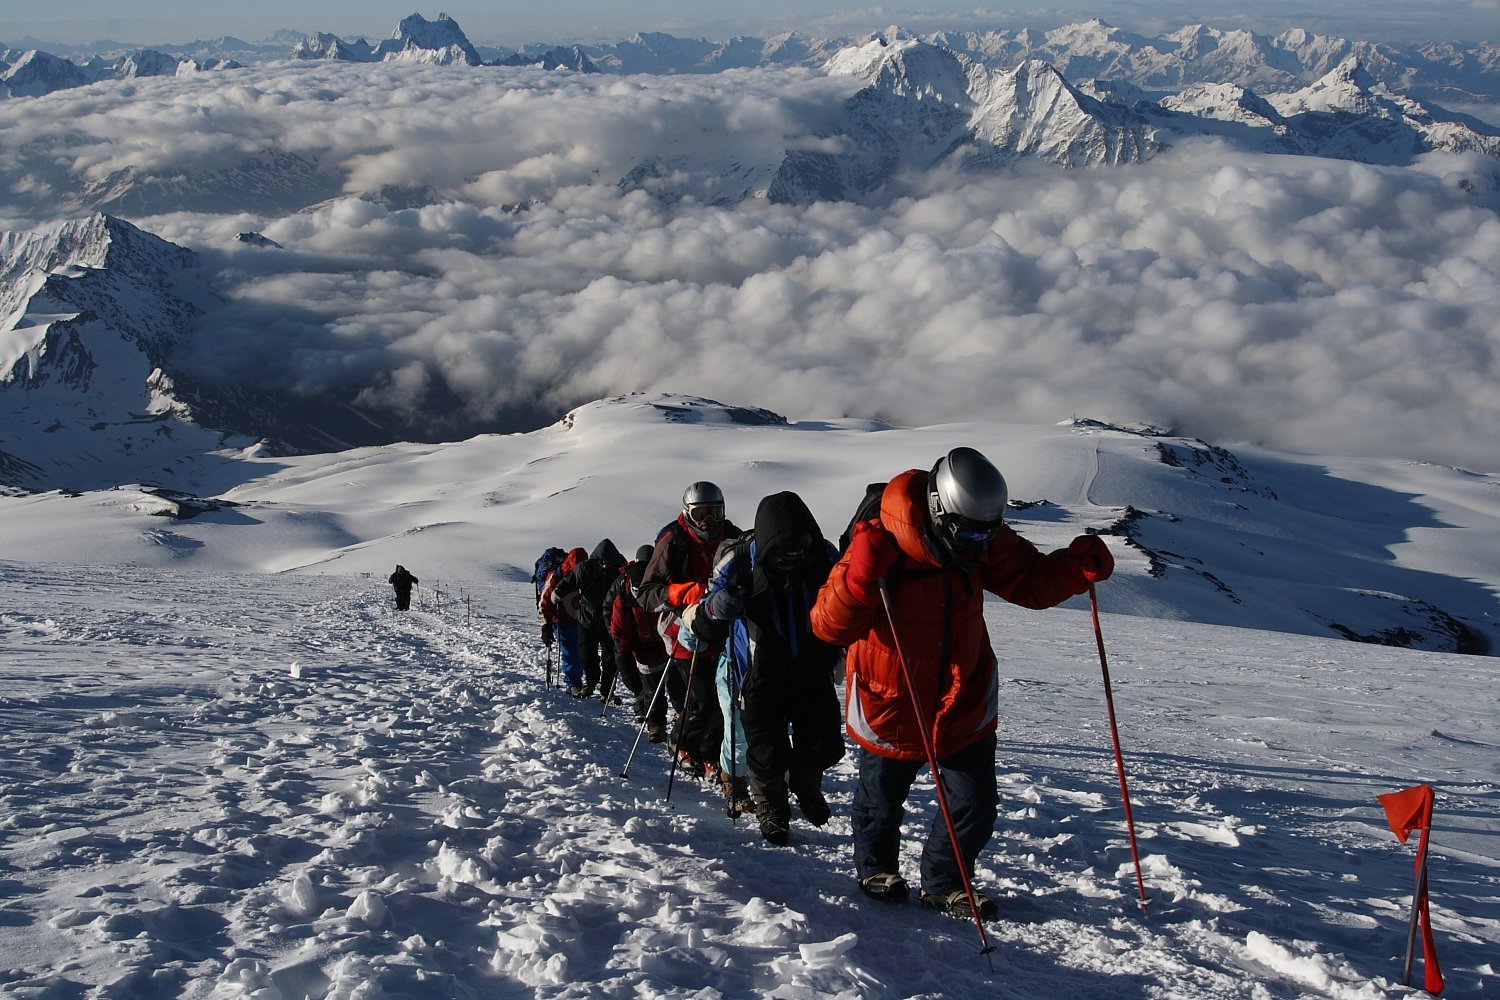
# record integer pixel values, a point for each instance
(938, 544)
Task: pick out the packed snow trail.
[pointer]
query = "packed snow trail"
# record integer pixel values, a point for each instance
(279, 787)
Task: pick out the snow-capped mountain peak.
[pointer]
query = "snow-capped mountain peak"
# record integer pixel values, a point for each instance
(440, 42)
(865, 61)
(322, 45)
(417, 39)
(75, 248)
(36, 73)
(1348, 87)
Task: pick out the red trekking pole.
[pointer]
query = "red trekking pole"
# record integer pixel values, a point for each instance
(1114, 731)
(937, 775)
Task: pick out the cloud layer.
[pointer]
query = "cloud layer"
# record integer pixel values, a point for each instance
(1306, 304)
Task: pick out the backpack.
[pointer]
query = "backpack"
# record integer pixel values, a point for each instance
(868, 508)
(549, 561)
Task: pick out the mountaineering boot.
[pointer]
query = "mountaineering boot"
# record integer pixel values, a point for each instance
(576, 690)
(691, 766)
(956, 904)
(774, 829)
(656, 733)
(888, 887)
(771, 808)
(807, 786)
(736, 794)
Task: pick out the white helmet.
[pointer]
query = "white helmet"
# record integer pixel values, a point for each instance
(966, 498)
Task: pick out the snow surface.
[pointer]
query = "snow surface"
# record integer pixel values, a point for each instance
(231, 769)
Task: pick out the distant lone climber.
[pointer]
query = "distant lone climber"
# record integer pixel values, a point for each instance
(403, 582)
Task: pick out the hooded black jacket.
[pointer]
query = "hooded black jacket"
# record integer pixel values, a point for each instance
(591, 580)
(774, 605)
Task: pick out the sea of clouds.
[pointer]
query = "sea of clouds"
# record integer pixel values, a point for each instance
(1303, 303)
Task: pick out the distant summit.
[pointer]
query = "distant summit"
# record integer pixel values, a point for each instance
(668, 407)
(557, 57)
(417, 39)
(33, 73)
(96, 317)
(924, 105)
(440, 43)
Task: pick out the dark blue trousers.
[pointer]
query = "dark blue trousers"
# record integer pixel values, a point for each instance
(880, 806)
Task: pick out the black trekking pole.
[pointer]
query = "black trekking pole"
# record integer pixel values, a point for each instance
(687, 704)
(548, 682)
(937, 775)
(625, 771)
(1114, 731)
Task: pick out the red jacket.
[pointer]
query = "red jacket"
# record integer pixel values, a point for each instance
(677, 576)
(939, 617)
(634, 631)
(549, 608)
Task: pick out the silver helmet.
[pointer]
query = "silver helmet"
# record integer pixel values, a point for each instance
(703, 504)
(966, 498)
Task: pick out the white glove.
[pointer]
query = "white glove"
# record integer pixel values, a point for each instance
(686, 638)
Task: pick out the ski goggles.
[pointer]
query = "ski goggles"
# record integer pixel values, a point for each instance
(968, 532)
(706, 516)
(788, 556)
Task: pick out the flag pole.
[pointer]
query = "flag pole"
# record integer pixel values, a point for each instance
(1407, 810)
(1411, 929)
(1416, 903)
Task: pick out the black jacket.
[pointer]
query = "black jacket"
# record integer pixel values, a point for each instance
(591, 580)
(773, 605)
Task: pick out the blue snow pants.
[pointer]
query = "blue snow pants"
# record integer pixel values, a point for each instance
(567, 653)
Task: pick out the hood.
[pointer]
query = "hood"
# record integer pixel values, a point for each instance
(606, 553)
(782, 517)
(903, 512)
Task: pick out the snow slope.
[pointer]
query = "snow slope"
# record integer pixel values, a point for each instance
(1257, 539)
(230, 769)
(273, 786)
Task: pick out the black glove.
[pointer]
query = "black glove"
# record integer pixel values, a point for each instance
(546, 633)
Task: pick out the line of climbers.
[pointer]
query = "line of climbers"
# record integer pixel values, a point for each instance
(745, 629)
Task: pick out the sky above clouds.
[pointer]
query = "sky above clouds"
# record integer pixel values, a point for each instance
(513, 23)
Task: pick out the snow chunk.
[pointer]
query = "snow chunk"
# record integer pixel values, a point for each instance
(299, 897)
(823, 952)
(368, 909)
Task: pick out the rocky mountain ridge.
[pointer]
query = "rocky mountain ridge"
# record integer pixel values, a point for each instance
(96, 319)
(32, 73)
(1159, 65)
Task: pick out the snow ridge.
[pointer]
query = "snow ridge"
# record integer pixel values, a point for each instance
(33, 73)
